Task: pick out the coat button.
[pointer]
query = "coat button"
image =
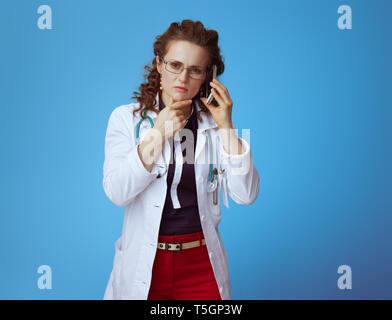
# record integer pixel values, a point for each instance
(210, 254)
(220, 289)
(202, 218)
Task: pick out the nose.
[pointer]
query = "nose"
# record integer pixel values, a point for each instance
(184, 74)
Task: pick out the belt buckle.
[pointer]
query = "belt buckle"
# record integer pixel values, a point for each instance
(179, 245)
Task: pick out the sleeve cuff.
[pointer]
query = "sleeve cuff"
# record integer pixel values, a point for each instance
(226, 155)
(237, 164)
(137, 166)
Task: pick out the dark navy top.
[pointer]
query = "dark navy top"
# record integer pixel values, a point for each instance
(185, 219)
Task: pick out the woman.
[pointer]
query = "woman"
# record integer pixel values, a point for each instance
(170, 246)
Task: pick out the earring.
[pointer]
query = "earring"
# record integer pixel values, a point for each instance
(161, 85)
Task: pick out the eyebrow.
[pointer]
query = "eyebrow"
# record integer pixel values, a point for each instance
(183, 63)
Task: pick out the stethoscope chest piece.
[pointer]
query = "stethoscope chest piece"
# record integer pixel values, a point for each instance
(213, 181)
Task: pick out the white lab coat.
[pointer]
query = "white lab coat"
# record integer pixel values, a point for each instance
(127, 183)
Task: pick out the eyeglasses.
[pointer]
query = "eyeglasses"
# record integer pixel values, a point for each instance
(177, 67)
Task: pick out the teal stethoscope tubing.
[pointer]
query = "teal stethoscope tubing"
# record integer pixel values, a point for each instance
(138, 125)
(211, 176)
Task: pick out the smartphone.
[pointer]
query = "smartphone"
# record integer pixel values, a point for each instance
(210, 96)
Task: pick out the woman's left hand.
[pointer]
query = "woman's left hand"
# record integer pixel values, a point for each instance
(222, 113)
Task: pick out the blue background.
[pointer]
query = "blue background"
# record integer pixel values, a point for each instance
(317, 100)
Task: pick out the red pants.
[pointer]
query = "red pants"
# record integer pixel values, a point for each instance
(183, 275)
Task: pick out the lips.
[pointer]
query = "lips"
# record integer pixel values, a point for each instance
(181, 89)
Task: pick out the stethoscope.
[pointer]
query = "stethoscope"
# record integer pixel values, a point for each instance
(213, 172)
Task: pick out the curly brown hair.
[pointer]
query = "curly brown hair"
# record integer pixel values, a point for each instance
(188, 30)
